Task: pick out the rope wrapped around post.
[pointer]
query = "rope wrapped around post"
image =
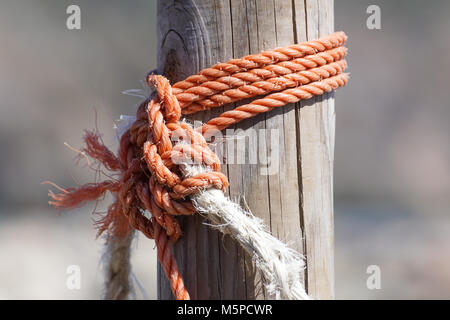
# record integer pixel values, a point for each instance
(167, 168)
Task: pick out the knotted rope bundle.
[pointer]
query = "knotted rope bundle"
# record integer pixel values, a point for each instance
(165, 167)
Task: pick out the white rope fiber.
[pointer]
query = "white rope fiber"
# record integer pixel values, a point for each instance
(280, 265)
(116, 265)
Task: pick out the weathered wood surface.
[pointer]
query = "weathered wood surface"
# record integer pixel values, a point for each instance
(296, 198)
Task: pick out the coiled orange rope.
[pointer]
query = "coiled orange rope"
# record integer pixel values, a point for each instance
(147, 163)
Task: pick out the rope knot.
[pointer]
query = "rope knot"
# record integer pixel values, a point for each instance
(170, 144)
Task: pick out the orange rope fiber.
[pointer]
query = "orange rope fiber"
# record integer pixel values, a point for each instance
(148, 158)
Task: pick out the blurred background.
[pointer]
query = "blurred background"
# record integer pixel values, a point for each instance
(392, 160)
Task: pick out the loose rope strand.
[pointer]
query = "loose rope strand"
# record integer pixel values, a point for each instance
(118, 268)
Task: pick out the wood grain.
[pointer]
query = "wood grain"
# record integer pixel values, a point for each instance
(290, 184)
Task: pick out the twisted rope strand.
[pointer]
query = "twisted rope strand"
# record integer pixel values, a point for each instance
(169, 264)
(117, 284)
(213, 87)
(267, 86)
(331, 41)
(271, 101)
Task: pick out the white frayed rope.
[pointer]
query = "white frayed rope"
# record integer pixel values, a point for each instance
(280, 265)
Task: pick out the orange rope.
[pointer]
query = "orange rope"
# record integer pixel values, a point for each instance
(273, 101)
(147, 163)
(263, 59)
(241, 79)
(169, 264)
(264, 87)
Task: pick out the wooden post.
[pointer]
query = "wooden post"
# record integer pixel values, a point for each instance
(296, 199)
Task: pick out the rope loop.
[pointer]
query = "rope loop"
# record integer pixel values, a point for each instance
(163, 156)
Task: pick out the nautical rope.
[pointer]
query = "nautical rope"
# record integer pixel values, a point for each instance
(166, 168)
